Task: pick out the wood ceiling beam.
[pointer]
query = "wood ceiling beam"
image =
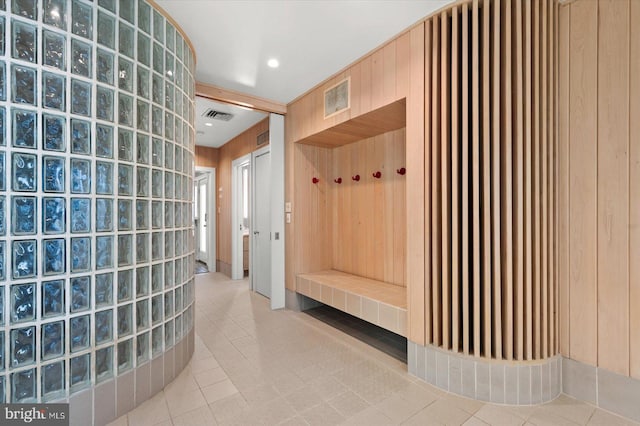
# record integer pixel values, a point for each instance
(216, 93)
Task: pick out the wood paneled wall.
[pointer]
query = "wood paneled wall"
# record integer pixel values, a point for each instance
(206, 156)
(599, 183)
(369, 216)
(242, 144)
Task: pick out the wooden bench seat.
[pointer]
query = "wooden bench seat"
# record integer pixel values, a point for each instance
(377, 302)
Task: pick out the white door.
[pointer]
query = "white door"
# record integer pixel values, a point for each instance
(202, 191)
(261, 256)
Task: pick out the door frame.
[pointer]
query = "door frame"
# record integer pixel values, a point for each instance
(254, 154)
(211, 215)
(237, 270)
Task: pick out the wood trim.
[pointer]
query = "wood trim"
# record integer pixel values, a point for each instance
(216, 93)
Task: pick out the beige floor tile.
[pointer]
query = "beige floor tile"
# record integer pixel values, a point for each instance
(399, 407)
(227, 409)
(260, 394)
(498, 415)
(303, 399)
(572, 409)
(275, 412)
(180, 403)
(604, 418)
(543, 416)
(209, 377)
(474, 421)
(287, 383)
(203, 364)
(184, 383)
(349, 404)
(150, 412)
(328, 387)
(218, 391)
(199, 417)
(322, 415)
(440, 412)
(370, 417)
(120, 421)
(294, 421)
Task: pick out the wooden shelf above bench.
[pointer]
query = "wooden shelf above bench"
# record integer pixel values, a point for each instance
(382, 120)
(377, 302)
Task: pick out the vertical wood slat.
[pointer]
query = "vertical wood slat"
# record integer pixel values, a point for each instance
(436, 225)
(475, 173)
(445, 178)
(486, 184)
(428, 42)
(535, 184)
(519, 190)
(466, 279)
(553, 166)
(528, 220)
(544, 348)
(455, 182)
(496, 185)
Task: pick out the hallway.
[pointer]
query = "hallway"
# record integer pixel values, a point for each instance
(256, 366)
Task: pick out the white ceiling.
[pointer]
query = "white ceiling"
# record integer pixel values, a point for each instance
(312, 39)
(221, 132)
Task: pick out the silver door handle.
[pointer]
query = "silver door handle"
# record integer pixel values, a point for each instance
(256, 232)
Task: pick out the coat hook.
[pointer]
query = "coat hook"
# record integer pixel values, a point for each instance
(356, 178)
(377, 175)
(315, 180)
(401, 171)
(338, 181)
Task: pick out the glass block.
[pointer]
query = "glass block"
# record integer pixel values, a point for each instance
(104, 326)
(143, 82)
(124, 215)
(104, 364)
(125, 320)
(156, 153)
(178, 299)
(3, 128)
(104, 141)
(104, 178)
(2, 366)
(80, 97)
(104, 68)
(53, 171)
(157, 338)
(79, 376)
(142, 117)
(106, 30)
(157, 89)
(53, 256)
(54, 134)
(110, 5)
(80, 254)
(168, 274)
(52, 298)
(142, 149)
(23, 302)
(23, 221)
(142, 181)
(126, 39)
(55, 13)
(170, 37)
(24, 172)
(125, 179)
(168, 125)
(104, 104)
(124, 250)
(178, 266)
(156, 120)
(80, 215)
(142, 348)
(3, 275)
(104, 215)
(82, 19)
(168, 155)
(142, 216)
(24, 85)
(3, 214)
(156, 214)
(157, 282)
(125, 285)
(52, 337)
(125, 109)
(158, 26)
(79, 329)
(23, 386)
(156, 183)
(125, 74)
(24, 259)
(168, 216)
(168, 244)
(81, 58)
(104, 290)
(178, 160)
(24, 41)
(23, 346)
(144, 17)
(54, 47)
(158, 58)
(178, 327)
(168, 334)
(125, 356)
(24, 8)
(104, 252)
(125, 145)
(168, 185)
(142, 248)
(156, 246)
(169, 65)
(142, 279)
(80, 137)
(53, 215)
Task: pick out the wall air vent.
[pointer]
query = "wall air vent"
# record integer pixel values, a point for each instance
(262, 138)
(217, 115)
(337, 98)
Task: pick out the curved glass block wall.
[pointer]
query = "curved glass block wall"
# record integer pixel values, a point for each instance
(96, 162)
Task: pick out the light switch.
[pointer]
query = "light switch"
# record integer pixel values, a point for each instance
(287, 207)
(288, 218)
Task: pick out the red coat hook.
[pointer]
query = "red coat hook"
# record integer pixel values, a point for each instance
(356, 178)
(401, 171)
(377, 175)
(315, 180)
(338, 181)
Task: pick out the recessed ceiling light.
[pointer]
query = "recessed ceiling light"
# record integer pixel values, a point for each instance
(273, 63)
(208, 124)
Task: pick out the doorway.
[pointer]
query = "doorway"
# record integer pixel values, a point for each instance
(261, 279)
(203, 214)
(240, 217)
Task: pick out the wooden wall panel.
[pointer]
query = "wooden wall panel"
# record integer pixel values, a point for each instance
(206, 156)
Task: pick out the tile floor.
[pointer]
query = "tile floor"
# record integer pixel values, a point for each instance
(252, 366)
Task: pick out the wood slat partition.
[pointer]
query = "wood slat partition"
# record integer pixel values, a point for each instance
(490, 139)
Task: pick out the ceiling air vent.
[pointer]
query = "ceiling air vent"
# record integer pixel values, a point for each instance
(217, 115)
(262, 138)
